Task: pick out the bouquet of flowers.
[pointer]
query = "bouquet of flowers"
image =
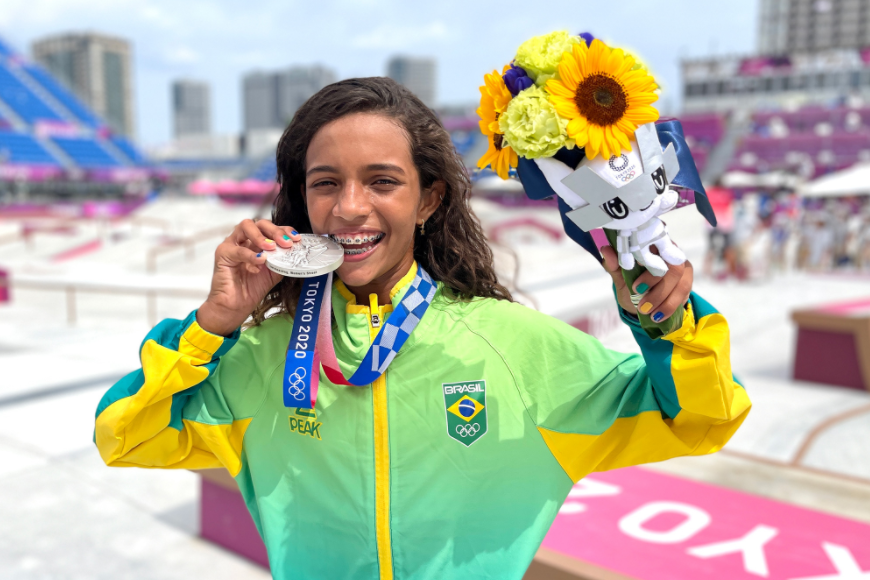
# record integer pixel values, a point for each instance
(574, 117)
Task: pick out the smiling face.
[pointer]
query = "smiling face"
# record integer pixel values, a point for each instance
(363, 189)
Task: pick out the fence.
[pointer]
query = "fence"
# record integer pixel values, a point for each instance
(73, 289)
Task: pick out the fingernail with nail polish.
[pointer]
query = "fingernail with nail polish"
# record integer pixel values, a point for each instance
(294, 232)
(658, 317)
(642, 287)
(645, 308)
(260, 254)
(268, 241)
(286, 237)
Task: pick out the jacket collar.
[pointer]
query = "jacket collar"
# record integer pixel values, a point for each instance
(351, 333)
(396, 294)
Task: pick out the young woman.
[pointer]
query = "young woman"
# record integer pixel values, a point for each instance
(454, 462)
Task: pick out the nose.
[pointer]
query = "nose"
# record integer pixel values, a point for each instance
(354, 202)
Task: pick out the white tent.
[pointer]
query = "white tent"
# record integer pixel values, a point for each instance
(773, 179)
(852, 181)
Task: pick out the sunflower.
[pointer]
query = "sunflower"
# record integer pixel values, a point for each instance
(606, 96)
(494, 99)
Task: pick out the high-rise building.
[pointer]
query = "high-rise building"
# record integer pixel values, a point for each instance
(191, 108)
(416, 74)
(789, 26)
(270, 99)
(259, 101)
(97, 68)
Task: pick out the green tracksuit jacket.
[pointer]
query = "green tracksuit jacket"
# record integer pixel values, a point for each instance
(454, 463)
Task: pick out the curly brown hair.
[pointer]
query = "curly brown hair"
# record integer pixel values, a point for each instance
(453, 250)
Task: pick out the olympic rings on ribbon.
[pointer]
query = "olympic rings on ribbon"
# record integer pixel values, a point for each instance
(294, 389)
(467, 430)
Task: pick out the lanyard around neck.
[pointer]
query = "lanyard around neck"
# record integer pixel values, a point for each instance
(311, 341)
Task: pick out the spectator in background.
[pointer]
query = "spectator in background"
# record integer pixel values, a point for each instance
(759, 233)
(818, 240)
(719, 262)
(745, 233)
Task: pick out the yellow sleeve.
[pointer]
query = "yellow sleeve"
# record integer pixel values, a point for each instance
(680, 398)
(171, 413)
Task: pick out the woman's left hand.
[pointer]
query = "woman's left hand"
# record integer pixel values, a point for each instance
(662, 295)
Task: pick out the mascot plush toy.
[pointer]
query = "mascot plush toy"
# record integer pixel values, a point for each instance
(574, 117)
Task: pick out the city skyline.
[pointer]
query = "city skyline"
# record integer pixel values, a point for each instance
(467, 40)
(191, 107)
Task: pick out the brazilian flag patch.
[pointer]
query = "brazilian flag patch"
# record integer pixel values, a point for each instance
(465, 404)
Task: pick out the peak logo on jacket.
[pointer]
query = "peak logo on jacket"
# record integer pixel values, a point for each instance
(465, 405)
(305, 423)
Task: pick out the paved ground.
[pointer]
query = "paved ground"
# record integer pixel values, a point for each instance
(67, 516)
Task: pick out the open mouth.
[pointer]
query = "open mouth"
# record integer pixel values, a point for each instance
(355, 244)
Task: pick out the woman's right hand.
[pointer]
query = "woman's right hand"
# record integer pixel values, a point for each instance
(241, 279)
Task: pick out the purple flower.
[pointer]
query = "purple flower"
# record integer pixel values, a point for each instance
(516, 80)
(587, 37)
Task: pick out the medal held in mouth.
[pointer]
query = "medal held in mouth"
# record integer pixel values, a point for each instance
(312, 256)
(311, 339)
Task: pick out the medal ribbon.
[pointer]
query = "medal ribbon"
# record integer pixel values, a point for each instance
(311, 339)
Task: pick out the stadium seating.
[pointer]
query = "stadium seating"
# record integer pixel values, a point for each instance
(703, 132)
(266, 171)
(86, 152)
(21, 99)
(821, 139)
(67, 99)
(128, 149)
(21, 148)
(44, 109)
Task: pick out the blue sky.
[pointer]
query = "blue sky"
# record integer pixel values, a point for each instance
(219, 41)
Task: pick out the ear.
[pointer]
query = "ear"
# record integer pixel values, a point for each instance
(430, 200)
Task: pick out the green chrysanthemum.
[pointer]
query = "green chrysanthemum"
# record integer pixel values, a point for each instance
(532, 127)
(540, 56)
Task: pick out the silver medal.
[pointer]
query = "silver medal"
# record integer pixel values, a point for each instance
(312, 256)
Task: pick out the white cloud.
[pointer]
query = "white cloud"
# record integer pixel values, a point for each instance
(181, 55)
(395, 37)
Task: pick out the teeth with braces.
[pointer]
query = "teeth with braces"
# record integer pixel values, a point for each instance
(357, 239)
(358, 251)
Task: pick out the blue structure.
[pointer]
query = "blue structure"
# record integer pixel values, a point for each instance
(87, 153)
(266, 171)
(22, 100)
(43, 124)
(130, 150)
(65, 97)
(23, 148)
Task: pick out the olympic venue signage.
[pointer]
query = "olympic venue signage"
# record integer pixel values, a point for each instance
(650, 526)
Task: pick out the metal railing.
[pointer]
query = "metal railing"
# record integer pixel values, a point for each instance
(188, 244)
(73, 289)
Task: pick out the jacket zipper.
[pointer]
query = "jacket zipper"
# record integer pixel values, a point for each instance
(382, 453)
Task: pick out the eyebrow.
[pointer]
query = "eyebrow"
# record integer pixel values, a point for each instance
(373, 167)
(385, 167)
(322, 169)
